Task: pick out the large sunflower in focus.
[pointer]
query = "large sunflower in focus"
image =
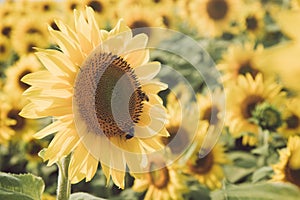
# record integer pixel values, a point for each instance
(213, 17)
(288, 168)
(100, 91)
(242, 98)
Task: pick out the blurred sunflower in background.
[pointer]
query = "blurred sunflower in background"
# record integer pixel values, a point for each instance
(179, 123)
(161, 181)
(288, 167)
(25, 65)
(33, 34)
(291, 118)
(5, 123)
(139, 17)
(23, 129)
(208, 169)
(59, 92)
(240, 59)
(5, 49)
(211, 112)
(213, 17)
(242, 98)
(7, 26)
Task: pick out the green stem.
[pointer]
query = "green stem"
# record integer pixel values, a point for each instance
(63, 185)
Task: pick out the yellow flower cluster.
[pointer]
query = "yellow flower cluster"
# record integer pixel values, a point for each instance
(78, 81)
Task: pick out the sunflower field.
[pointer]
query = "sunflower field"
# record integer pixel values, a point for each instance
(149, 99)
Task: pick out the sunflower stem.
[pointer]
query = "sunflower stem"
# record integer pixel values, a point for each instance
(64, 184)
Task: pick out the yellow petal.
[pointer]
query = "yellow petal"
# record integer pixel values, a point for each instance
(106, 171)
(147, 71)
(154, 87)
(95, 33)
(69, 47)
(29, 111)
(41, 79)
(50, 129)
(91, 167)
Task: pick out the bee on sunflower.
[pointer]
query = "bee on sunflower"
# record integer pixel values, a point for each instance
(99, 90)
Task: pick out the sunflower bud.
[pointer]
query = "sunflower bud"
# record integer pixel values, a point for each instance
(267, 117)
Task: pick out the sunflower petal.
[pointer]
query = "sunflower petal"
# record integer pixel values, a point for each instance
(147, 71)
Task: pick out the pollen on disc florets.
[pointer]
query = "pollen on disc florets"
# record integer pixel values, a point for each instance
(108, 94)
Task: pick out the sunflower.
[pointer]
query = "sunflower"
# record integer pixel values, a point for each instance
(213, 17)
(242, 98)
(140, 17)
(7, 26)
(33, 32)
(252, 21)
(240, 59)
(5, 48)
(291, 117)
(14, 74)
(17, 127)
(87, 90)
(70, 5)
(180, 121)
(6, 9)
(30, 25)
(211, 111)
(161, 181)
(5, 123)
(168, 17)
(44, 6)
(28, 44)
(207, 170)
(288, 169)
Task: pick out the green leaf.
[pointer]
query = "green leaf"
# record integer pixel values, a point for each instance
(243, 159)
(261, 173)
(197, 191)
(263, 150)
(20, 187)
(259, 191)
(83, 196)
(235, 174)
